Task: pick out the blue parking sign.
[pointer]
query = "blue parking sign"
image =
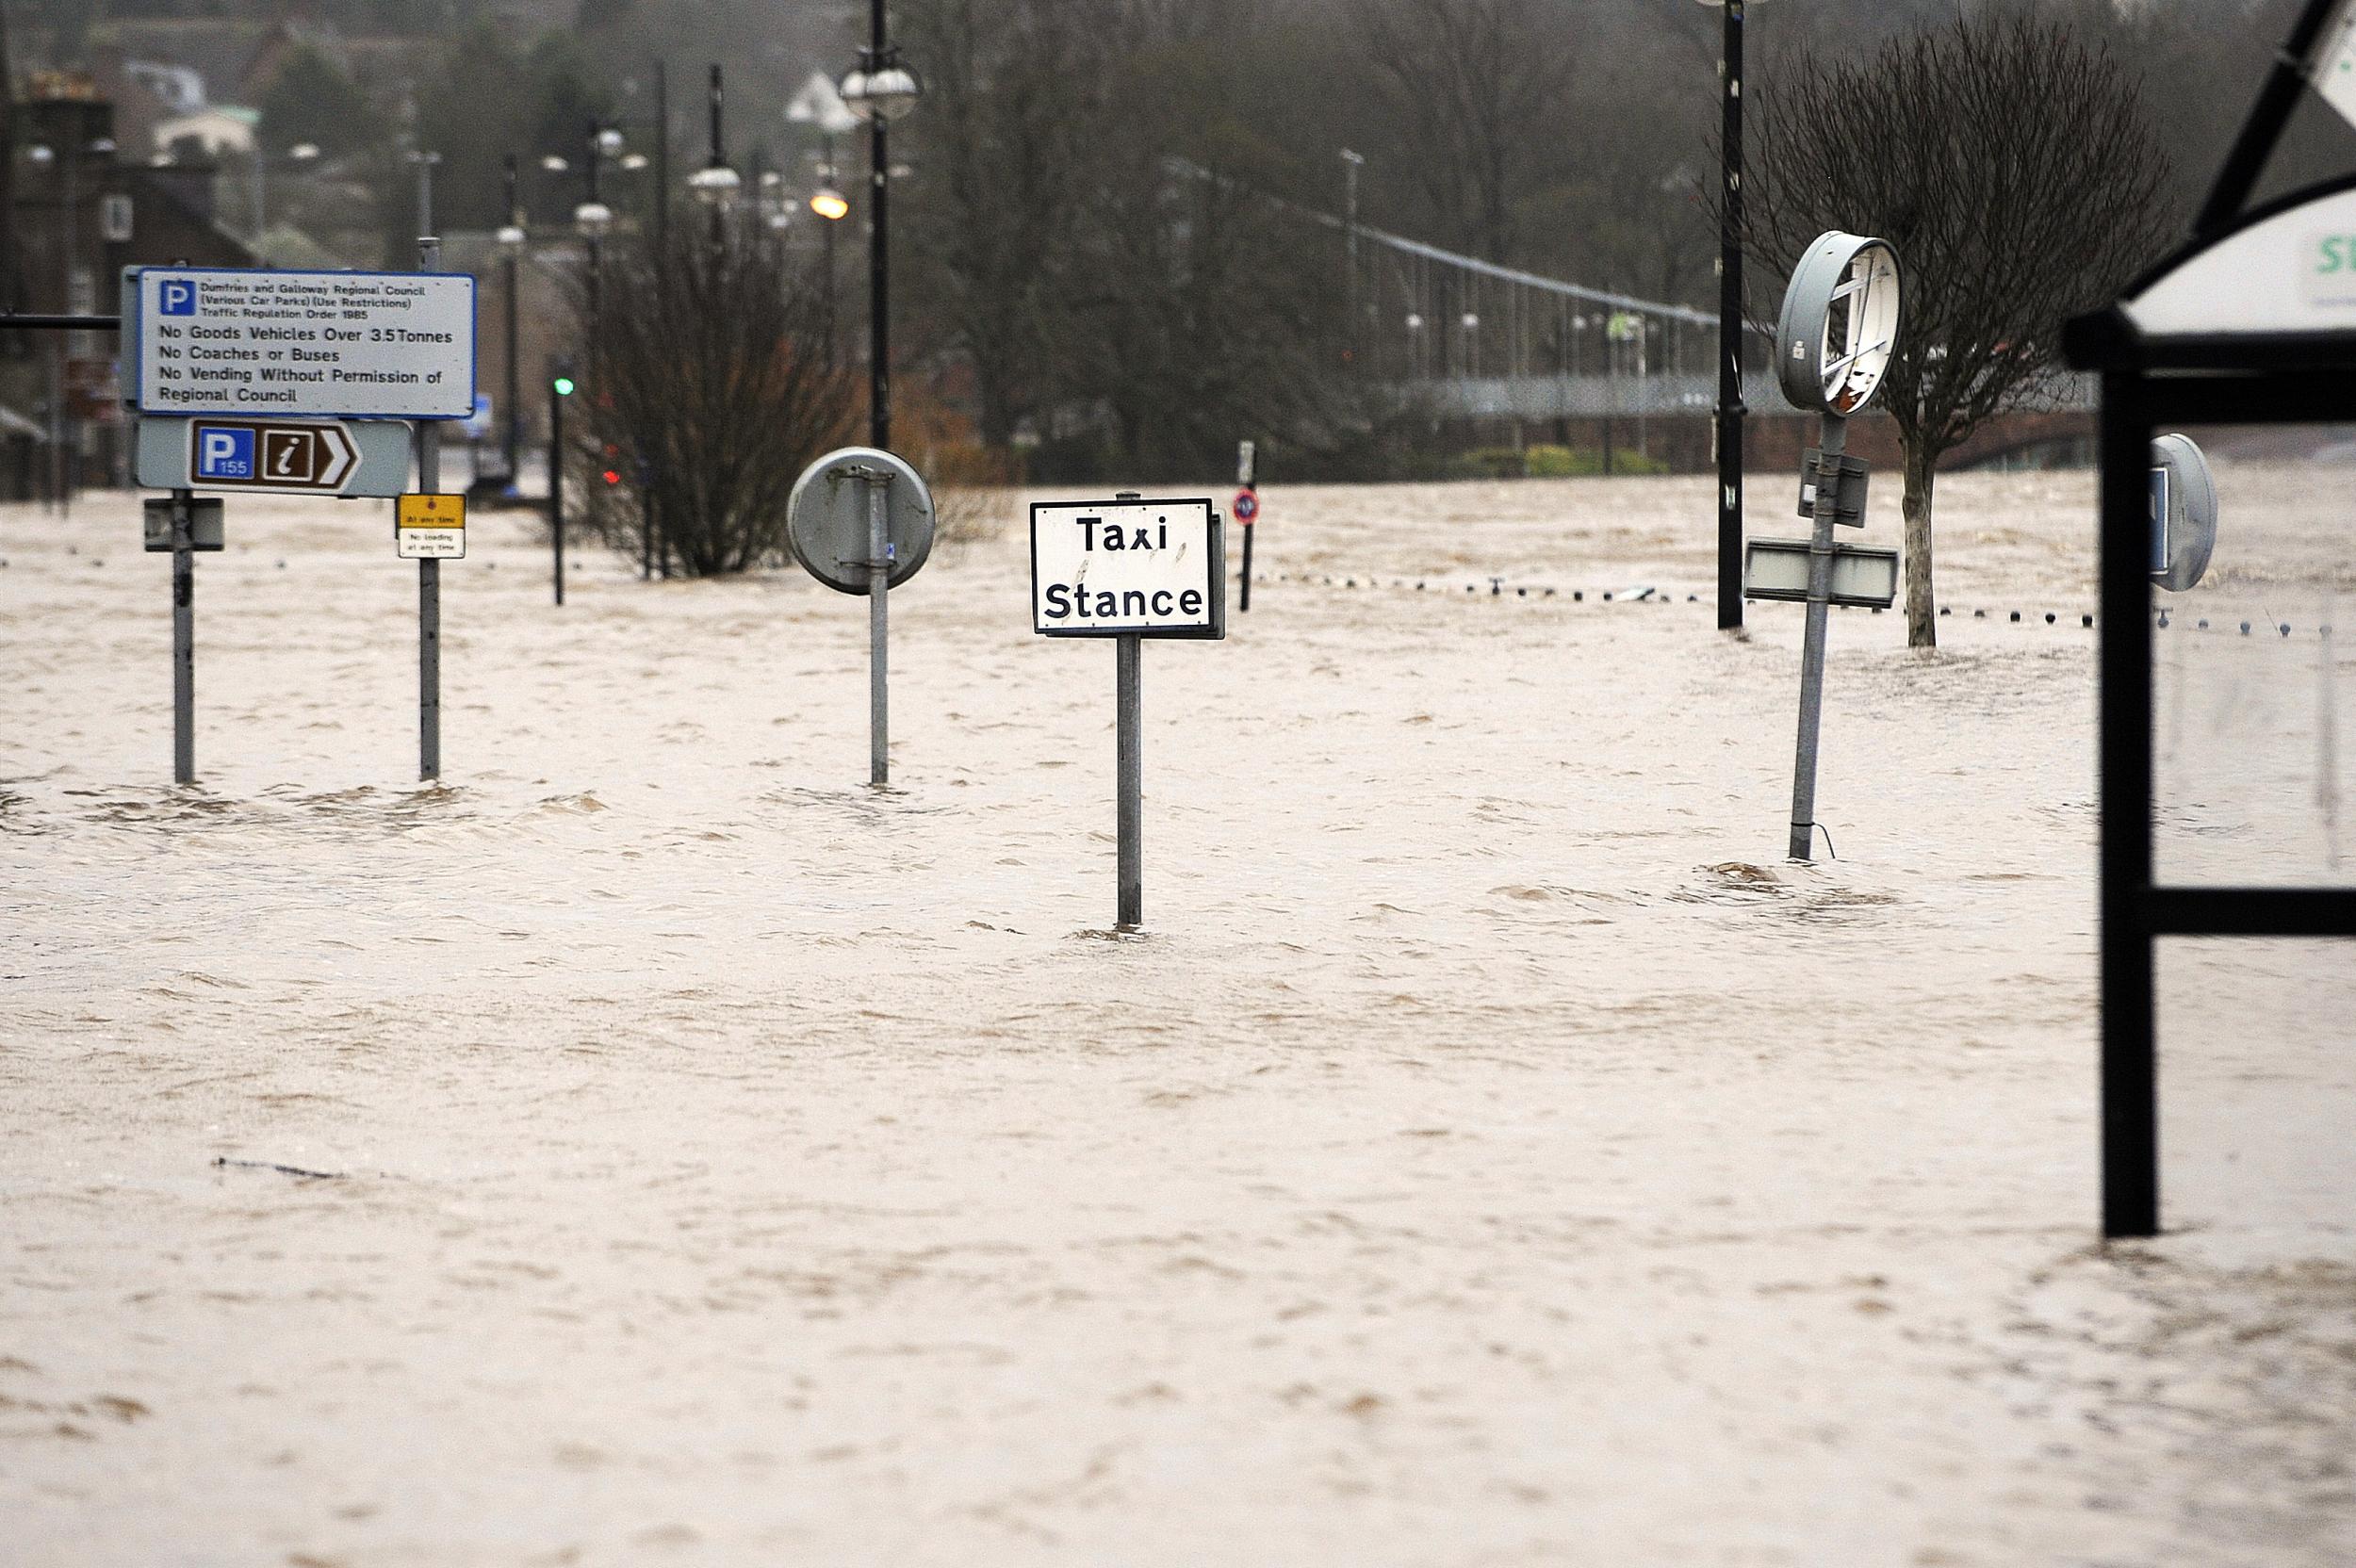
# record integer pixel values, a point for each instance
(223, 451)
(176, 297)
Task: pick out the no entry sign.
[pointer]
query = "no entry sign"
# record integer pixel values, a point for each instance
(1156, 568)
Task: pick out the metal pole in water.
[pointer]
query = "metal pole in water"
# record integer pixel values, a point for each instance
(556, 488)
(878, 588)
(1834, 441)
(183, 642)
(429, 572)
(1130, 770)
(1243, 600)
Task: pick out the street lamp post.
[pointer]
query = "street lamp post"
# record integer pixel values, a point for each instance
(1730, 409)
(829, 204)
(593, 218)
(42, 156)
(511, 240)
(715, 183)
(1351, 163)
(880, 92)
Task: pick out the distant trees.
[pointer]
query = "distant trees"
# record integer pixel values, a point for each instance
(312, 98)
(1476, 86)
(1013, 95)
(2015, 169)
(1075, 248)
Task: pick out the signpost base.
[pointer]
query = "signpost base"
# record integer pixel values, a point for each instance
(1836, 441)
(1129, 768)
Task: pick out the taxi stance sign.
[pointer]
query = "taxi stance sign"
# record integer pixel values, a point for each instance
(347, 345)
(1151, 568)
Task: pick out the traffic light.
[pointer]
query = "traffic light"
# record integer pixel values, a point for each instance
(563, 385)
(612, 475)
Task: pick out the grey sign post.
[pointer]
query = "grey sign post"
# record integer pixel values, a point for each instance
(428, 481)
(1833, 345)
(244, 379)
(183, 642)
(861, 521)
(1129, 568)
(182, 525)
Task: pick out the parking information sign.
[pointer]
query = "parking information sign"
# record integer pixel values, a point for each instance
(1104, 568)
(356, 345)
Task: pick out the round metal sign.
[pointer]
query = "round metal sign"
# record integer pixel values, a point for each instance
(1246, 506)
(2183, 512)
(1840, 324)
(827, 518)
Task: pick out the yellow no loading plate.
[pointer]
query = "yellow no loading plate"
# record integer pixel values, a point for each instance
(429, 528)
(419, 510)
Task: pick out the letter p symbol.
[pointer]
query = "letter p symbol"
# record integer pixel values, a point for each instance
(177, 297)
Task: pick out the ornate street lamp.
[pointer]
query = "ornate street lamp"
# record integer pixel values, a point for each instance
(880, 92)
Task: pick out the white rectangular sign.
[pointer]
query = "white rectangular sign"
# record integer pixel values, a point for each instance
(430, 543)
(336, 345)
(1103, 569)
(1778, 570)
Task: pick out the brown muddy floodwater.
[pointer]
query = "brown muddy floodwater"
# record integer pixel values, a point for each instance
(1492, 1152)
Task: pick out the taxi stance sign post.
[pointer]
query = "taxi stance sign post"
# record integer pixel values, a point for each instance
(1129, 570)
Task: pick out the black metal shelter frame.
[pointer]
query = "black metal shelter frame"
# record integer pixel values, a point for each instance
(2148, 382)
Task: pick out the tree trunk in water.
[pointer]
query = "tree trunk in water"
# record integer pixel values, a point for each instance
(1921, 607)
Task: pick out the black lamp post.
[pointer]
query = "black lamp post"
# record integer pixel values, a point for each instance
(1731, 323)
(881, 90)
(511, 239)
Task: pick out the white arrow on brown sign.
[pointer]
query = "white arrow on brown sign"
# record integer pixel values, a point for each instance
(303, 457)
(271, 455)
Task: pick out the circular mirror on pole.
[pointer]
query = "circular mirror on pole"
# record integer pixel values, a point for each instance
(1840, 324)
(2183, 512)
(826, 518)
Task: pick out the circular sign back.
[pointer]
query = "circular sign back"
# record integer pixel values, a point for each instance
(827, 518)
(1840, 324)
(2184, 506)
(1246, 506)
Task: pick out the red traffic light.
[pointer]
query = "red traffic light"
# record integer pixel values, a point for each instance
(611, 477)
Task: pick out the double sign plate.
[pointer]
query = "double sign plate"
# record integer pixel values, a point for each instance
(300, 457)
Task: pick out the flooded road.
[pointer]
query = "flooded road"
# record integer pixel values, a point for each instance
(651, 1144)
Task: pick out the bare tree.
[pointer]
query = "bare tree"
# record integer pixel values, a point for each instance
(2013, 167)
(1475, 84)
(709, 388)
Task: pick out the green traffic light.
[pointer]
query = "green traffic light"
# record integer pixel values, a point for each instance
(564, 386)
